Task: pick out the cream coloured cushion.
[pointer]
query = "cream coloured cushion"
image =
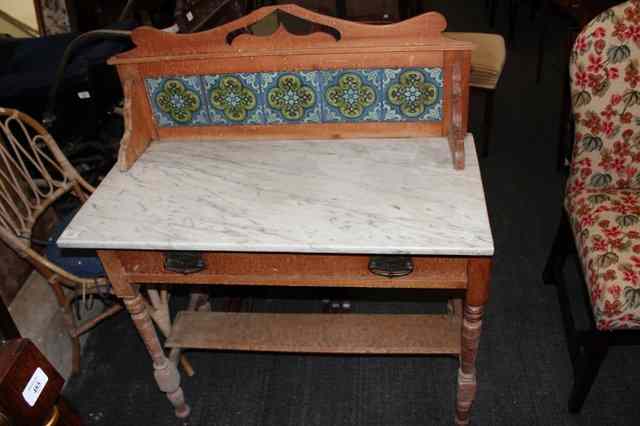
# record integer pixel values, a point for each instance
(487, 59)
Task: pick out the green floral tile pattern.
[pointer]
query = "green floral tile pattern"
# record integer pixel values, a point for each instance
(351, 95)
(412, 94)
(291, 97)
(177, 101)
(233, 98)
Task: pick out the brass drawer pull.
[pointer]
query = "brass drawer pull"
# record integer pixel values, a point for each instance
(391, 266)
(184, 262)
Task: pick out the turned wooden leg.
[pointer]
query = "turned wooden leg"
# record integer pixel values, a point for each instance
(165, 372)
(159, 313)
(471, 327)
(475, 299)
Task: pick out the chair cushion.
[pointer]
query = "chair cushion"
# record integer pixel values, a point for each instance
(606, 226)
(80, 262)
(487, 59)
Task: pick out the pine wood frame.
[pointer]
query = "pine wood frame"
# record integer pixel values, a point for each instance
(457, 333)
(417, 42)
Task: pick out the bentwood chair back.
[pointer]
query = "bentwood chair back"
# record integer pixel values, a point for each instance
(34, 173)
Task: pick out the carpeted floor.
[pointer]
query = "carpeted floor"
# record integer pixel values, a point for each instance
(523, 366)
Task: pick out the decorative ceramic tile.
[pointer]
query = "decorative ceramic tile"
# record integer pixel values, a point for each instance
(393, 94)
(234, 98)
(412, 94)
(351, 95)
(177, 101)
(291, 97)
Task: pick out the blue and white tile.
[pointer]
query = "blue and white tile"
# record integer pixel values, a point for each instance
(310, 79)
(433, 112)
(368, 77)
(191, 83)
(250, 81)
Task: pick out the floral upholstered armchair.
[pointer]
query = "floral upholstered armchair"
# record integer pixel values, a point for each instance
(602, 199)
(603, 192)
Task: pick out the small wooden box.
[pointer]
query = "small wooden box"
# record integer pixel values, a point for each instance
(29, 385)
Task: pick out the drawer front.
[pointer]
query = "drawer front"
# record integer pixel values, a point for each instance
(294, 270)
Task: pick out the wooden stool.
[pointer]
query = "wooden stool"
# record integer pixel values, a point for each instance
(487, 62)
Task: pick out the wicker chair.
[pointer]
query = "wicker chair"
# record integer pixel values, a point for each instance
(34, 173)
(601, 215)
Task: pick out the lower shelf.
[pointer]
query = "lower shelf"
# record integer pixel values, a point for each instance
(317, 333)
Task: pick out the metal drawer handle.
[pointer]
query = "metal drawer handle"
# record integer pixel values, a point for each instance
(184, 262)
(391, 266)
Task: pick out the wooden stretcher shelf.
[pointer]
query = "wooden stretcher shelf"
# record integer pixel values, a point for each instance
(317, 333)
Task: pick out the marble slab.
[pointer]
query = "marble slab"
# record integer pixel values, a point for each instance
(384, 196)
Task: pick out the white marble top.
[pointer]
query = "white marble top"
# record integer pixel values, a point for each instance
(385, 196)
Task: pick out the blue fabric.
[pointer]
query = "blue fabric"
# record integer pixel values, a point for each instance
(80, 262)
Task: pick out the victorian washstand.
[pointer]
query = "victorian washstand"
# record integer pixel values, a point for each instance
(334, 159)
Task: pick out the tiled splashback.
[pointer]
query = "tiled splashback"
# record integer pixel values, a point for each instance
(391, 94)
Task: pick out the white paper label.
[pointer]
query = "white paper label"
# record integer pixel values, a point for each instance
(35, 386)
(189, 16)
(84, 95)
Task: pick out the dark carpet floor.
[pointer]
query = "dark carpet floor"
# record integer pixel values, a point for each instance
(523, 365)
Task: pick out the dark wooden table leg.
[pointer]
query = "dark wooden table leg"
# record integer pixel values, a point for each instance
(475, 299)
(165, 371)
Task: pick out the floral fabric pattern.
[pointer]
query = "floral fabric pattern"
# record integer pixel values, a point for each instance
(233, 98)
(603, 190)
(607, 230)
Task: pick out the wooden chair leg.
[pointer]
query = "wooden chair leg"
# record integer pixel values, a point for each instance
(559, 251)
(69, 321)
(76, 348)
(587, 349)
(593, 350)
